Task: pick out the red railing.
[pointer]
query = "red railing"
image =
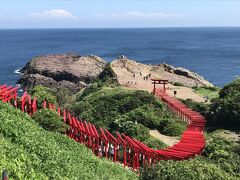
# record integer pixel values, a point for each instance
(122, 148)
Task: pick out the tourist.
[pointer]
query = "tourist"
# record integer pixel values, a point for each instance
(175, 93)
(112, 151)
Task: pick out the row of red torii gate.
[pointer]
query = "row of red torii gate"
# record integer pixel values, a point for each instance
(120, 147)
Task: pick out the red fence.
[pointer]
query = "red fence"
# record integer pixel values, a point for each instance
(122, 148)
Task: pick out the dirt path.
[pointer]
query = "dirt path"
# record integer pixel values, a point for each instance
(169, 140)
(128, 79)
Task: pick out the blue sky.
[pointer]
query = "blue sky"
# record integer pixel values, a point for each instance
(118, 13)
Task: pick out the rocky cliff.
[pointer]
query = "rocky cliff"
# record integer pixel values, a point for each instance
(65, 70)
(75, 72)
(123, 66)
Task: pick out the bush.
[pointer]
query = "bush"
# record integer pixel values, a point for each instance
(107, 77)
(177, 84)
(105, 106)
(64, 97)
(50, 121)
(230, 89)
(196, 168)
(43, 94)
(171, 128)
(202, 108)
(220, 162)
(132, 129)
(225, 111)
(154, 143)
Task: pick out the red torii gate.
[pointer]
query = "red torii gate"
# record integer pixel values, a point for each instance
(159, 81)
(192, 141)
(8, 93)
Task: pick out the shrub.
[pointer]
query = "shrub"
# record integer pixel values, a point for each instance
(177, 84)
(230, 89)
(64, 97)
(220, 162)
(105, 106)
(171, 127)
(132, 129)
(196, 168)
(50, 121)
(107, 77)
(154, 143)
(202, 108)
(225, 111)
(43, 94)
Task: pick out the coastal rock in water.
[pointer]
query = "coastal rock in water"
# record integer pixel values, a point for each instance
(71, 71)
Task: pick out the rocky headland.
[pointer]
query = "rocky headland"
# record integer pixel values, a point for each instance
(74, 72)
(61, 70)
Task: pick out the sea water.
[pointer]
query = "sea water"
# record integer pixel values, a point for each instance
(211, 52)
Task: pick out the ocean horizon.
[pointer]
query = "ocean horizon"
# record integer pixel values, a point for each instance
(212, 52)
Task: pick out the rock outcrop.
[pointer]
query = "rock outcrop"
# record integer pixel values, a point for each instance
(123, 66)
(71, 71)
(74, 72)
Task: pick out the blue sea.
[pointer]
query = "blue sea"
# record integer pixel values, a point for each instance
(211, 52)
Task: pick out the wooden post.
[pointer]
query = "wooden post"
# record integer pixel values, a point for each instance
(124, 156)
(154, 87)
(115, 152)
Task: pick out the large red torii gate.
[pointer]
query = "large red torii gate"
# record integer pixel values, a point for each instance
(159, 81)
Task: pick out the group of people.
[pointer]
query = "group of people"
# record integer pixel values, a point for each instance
(141, 74)
(132, 82)
(110, 150)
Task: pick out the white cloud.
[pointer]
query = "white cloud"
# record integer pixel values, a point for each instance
(53, 13)
(139, 15)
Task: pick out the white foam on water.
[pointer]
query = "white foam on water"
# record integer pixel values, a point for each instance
(17, 71)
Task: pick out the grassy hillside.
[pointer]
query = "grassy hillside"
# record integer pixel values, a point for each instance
(211, 92)
(130, 111)
(30, 152)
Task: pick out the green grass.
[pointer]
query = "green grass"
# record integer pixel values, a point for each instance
(211, 94)
(30, 152)
(114, 108)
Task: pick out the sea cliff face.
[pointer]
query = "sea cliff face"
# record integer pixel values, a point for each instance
(74, 72)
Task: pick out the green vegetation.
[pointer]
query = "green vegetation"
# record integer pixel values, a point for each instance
(209, 92)
(225, 110)
(60, 96)
(221, 161)
(202, 108)
(177, 84)
(43, 94)
(127, 111)
(30, 152)
(50, 121)
(154, 143)
(64, 97)
(107, 77)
